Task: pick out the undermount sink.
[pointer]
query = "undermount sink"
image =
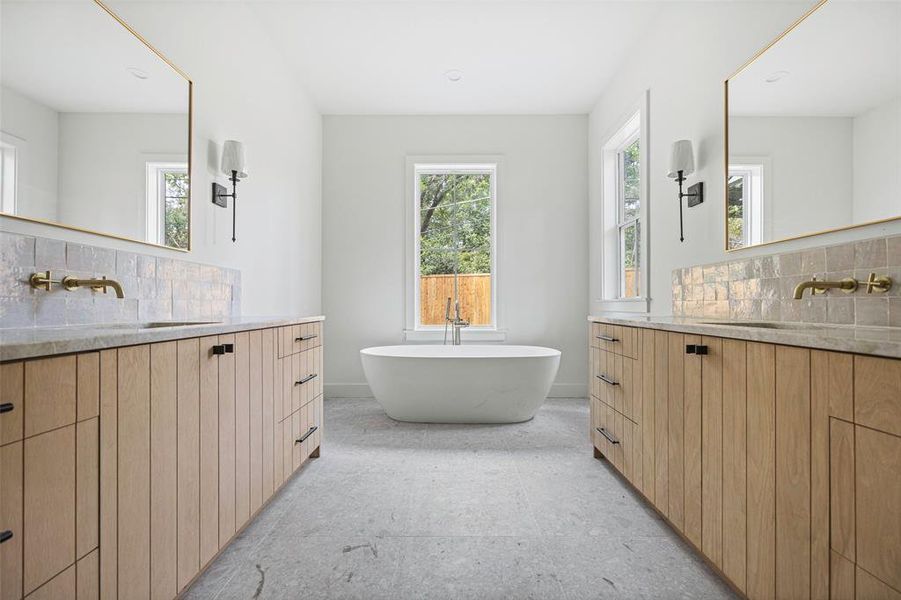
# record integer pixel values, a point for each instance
(157, 324)
(769, 325)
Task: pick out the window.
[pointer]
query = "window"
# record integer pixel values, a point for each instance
(8, 169)
(745, 205)
(619, 236)
(628, 204)
(454, 241)
(167, 204)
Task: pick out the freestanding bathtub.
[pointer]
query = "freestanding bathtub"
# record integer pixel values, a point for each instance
(460, 384)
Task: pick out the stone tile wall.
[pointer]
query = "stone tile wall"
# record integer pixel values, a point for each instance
(761, 287)
(156, 289)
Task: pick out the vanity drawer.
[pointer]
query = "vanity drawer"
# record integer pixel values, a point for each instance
(307, 381)
(12, 398)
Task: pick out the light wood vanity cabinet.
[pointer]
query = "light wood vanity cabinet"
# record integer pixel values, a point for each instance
(124, 472)
(781, 465)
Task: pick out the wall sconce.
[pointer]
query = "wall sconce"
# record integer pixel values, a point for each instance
(681, 165)
(233, 166)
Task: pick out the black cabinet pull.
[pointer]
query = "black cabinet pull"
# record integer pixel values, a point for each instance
(306, 379)
(695, 349)
(607, 338)
(607, 435)
(219, 349)
(304, 338)
(6, 407)
(701, 350)
(304, 437)
(5, 536)
(229, 348)
(607, 380)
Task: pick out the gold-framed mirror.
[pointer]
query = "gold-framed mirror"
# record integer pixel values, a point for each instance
(96, 125)
(813, 127)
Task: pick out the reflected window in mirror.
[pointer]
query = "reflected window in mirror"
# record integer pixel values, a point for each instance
(8, 168)
(167, 203)
(819, 110)
(745, 211)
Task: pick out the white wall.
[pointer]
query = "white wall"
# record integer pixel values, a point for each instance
(36, 127)
(877, 163)
(810, 176)
(683, 59)
(102, 164)
(541, 233)
(243, 89)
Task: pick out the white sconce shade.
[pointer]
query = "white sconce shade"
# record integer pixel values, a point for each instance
(233, 158)
(681, 159)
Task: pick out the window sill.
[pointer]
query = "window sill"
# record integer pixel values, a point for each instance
(467, 335)
(635, 305)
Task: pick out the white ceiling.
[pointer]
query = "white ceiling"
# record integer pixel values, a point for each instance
(73, 56)
(841, 61)
(516, 57)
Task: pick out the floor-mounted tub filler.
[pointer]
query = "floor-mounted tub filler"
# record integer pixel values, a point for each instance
(460, 384)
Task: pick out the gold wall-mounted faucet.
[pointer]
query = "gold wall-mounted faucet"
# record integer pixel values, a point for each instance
(847, 285)
(98, 285)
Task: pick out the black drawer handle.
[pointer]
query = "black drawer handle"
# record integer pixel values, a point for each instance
(607, 338)
(306, 379)
(305, 338)
(6, 407)
(695, 349)
(607, 380)
(304, 437)
(223, 349)
(5, 536)
(607, 435)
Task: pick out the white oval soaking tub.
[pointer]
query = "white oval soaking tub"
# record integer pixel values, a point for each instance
(460, 384)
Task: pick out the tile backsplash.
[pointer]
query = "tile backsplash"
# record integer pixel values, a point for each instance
(156, 289)
(761, 287)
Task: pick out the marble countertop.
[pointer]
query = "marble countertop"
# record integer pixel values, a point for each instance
(30, 342)
(876, 341)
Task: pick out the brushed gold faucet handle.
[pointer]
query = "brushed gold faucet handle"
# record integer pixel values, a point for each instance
(42, 281)
(816, 290)
(878, 283)
(100, 288)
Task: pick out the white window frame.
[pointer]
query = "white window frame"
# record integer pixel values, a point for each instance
(155, 209)
(9, 172)
(417, 165)
(607, 232)
(755, 171)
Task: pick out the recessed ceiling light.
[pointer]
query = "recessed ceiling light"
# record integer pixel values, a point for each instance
(454, 75)
(137, 73)
(776, 76)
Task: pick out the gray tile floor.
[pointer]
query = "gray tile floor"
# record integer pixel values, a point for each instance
(400, 510)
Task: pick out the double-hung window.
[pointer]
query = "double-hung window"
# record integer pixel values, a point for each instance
(454, 241)
(167, 204)
(628, 207)
(621, 238)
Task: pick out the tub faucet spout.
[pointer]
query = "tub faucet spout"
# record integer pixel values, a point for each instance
(457, 322)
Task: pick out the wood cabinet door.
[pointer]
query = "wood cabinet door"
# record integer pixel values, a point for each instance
(878, 504)
(242, 429)
(164, 470)
(188, 476)
(226, 443)
(11, 521)
(269, 386)
(255, 424)
(209, 449)
(48, 527)
(676, 429)
(134, 472)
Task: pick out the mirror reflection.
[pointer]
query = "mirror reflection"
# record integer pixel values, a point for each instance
(95, 125)
(814, 127)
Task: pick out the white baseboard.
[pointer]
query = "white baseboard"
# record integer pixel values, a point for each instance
(361, 390)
